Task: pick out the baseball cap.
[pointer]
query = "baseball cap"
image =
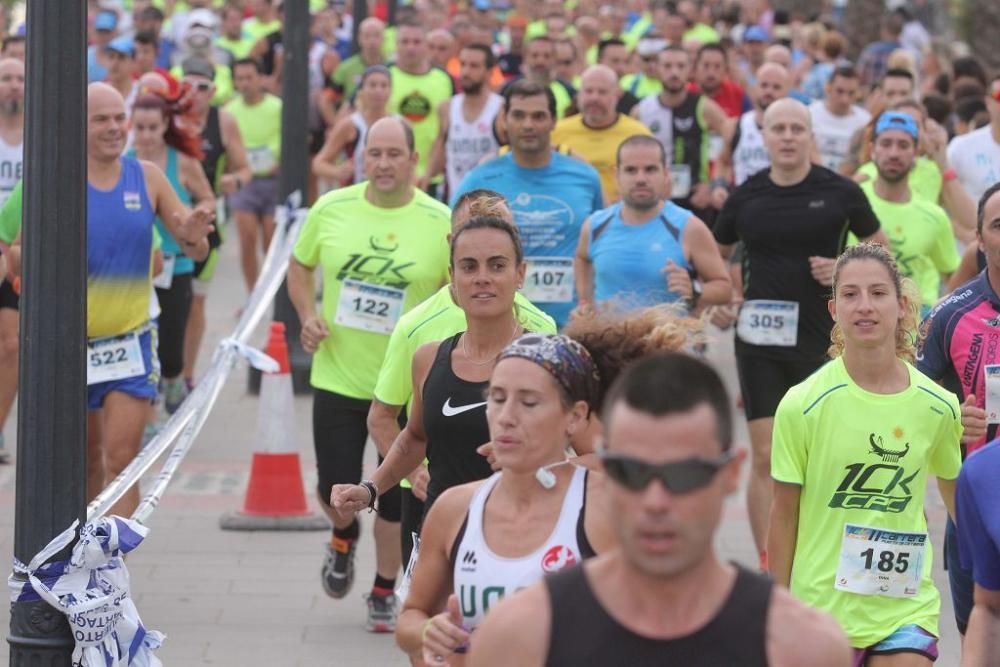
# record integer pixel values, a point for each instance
(755, 34)
(204, 17)
(106, 20)
(650, 46)
(195, 66)
(897, 120)
(482, 5)
(122, 45)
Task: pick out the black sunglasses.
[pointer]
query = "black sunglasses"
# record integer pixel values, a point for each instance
(677, 476)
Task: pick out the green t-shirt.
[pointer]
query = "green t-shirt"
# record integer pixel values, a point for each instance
(641, 85)
(925, 178)
(863, 459)
(701, 33)
(921, 238)
(416, 97)
(347, 77)
(403, 248)
(10, 215)
(260, 127)
(437, 318)
(240, 48)
(258, 30)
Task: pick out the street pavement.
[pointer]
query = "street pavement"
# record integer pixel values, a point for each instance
(254, 598)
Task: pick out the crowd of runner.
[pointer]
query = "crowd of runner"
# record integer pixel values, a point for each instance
(528, 219)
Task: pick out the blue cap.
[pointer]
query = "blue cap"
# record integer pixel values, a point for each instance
(755, 33)
(897, 120)
(122, 45)
(483, 5)
(106, 20)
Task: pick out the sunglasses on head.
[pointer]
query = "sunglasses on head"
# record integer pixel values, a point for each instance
(677, 476)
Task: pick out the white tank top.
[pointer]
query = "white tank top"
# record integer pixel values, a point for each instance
(750, 155)
(660, 121)
(481, 578)
(468, 143)
(359, 146)
(10, 168)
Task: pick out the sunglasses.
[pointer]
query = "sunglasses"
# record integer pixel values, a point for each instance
(201, 86)
(677, 476)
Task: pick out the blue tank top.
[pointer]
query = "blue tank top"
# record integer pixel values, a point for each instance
(183, 264)
(119, 253)
(629, 259)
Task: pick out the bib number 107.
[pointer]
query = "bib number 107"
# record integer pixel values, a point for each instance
(371, 306)
(887, 561)
(547, 278)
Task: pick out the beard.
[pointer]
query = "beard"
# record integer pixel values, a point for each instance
(893, 177)
(11, 107)
(643, 205)
(471, 87)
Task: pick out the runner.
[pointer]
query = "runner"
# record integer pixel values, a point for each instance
(539, 58)
(382, 248)
(11, 151)
(960, 350)
(436, 319)
(258, 115)
(711, 78)
(836, 117)
(976, 155)
(124, 196)
(225, 167)
(646, 250)
(120, 54)
(897, 85)
(854, 446)
(682, 121)
(919, 231)
(468, 120)
(550, 194)
(613, 53)
(347, 77)
(663, 596)
(597, 130)
(348, 135)
(783, 327)
(160, 141)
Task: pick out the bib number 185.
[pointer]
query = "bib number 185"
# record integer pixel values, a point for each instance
(888, 561)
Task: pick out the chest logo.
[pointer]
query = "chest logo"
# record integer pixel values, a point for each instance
(448, 410)
(878, 487)
(683, 124)
(886, 455)
(132, 201)
(558, 558)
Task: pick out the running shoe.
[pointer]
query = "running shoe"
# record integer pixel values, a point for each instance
(174, 393)
(338, 568)
(382, 610)
(149, 432)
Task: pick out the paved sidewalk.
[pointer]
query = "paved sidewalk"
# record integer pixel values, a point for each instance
(254, 599)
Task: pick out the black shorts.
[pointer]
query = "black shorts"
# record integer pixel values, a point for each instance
(8, 297)
(764, 381)
(340, 429)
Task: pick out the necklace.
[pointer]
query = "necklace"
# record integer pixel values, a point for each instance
(468, 357)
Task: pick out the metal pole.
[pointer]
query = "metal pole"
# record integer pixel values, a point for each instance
(294, 156)
(52, 418)
(359, 12)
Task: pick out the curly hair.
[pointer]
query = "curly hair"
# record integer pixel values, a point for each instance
(616, 338)
(171, 108)
(907, 334)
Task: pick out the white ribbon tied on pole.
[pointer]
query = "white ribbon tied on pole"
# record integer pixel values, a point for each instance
(92, 590)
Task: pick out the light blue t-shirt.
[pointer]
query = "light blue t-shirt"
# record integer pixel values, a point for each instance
(629, 259)
(550, 205)
(95, 71)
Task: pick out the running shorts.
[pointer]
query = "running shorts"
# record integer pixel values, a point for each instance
(259, 196)
(907, 639)
(764, 381)
(140, 386)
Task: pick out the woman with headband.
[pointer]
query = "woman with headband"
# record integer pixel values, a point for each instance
(349, 132)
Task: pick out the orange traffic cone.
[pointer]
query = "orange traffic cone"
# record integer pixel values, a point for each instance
(275, 497)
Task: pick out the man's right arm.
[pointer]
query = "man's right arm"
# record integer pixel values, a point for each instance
(981, 647)
(800, 635)
(515, 632)
(583, 267)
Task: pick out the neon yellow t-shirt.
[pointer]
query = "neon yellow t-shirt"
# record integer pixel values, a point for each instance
(403, 248)
(921, 238)
(437, 318)
(260, 127)
(641, 85)
(240, 48)
(416, 97)
(599, 148)
(863, 459)
(925, 178)
(259, 30)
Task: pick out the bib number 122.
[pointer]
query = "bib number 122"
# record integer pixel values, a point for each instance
(887, 560)
(371, 306)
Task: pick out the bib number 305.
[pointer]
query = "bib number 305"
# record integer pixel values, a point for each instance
(763, 322)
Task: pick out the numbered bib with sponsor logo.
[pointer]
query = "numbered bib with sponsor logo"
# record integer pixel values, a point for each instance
(165, 278)
(764, 322)
(680, 177)
(549, 280)
(260, 159)
(114, 358)
(992, 374)
(880, 562)
(369, 307)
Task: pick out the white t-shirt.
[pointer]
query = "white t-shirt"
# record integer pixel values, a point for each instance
(975, 157)
(833, 133)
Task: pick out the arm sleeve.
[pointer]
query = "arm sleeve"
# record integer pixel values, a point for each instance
(861, 218)
(789, 454)
(306, 250)
(977, 549)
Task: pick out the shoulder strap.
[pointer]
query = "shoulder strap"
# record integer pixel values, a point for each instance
(671, 228)
(599, 225)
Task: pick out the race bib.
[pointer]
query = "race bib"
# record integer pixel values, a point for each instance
(261, 160)
(165, 278)
(716, 144)
(114, 358)
(680, 176)
(549, 280)
(992, 372)
(880, 562)
(369, 307)
(764, 322)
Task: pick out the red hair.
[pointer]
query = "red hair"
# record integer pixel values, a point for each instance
(170, 107)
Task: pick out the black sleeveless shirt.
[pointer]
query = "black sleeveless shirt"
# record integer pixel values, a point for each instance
(584, 633)
(455, 425)
(212, 146)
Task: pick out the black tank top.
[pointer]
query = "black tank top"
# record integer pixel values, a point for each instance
(455, 424)
(212, 146)
(584, 633)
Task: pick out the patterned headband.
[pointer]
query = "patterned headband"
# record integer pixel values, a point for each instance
(565, 359)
